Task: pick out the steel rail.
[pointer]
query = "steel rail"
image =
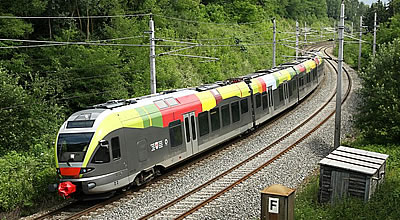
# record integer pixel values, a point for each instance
(166, 206)
(202, 204)
(176, 169)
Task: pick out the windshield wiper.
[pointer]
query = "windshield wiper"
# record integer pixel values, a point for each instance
(70, 160)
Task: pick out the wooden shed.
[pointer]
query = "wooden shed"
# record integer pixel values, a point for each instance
(350, 172)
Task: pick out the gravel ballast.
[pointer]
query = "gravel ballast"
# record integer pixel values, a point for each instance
(243, 202)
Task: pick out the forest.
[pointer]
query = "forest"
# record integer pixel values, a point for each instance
(58, 57)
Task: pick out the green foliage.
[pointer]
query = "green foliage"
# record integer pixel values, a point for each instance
(389, 31)
(25, 177)
(14, 28)
(383, 204)
(41, 86)
(24, 7)
(27, 118)
(379, 112)
(353, 10)
(380, 9)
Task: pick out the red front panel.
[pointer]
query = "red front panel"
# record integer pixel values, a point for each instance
(70, 171)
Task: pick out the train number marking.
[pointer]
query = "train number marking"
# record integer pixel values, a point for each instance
(158, 145)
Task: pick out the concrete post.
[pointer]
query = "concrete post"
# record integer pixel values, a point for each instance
(359, 46)
(274, 44)
(338, 113)
(152, 58)
(374, 45)
(297, 39)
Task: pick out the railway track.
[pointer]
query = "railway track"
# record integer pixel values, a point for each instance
(195, 197)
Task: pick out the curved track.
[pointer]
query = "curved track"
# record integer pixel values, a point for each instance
(200, 196)
(214, 188)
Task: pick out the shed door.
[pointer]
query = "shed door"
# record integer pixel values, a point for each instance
(340, 184)
(189, 121)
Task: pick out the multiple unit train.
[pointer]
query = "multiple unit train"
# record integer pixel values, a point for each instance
(127, 142)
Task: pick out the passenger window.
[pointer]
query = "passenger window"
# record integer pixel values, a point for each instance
(116, 151)
(203, 123)
(235, 112)
(244, 105)
(193, 127)
(265, 101)
(187, 130)
(294, 85)
(102, 155)
(258, 100)
(215, 121)
(175, 133)
(226, 115)
(270, 93)
(280, 92)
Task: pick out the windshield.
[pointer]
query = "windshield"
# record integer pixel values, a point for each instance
(73, 147)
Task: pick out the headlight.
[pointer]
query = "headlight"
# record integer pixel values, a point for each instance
(86, 170)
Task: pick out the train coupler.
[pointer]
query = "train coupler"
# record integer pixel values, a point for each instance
(65, 189)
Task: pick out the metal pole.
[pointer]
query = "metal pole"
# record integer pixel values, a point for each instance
(359, 46)
(274, 45)
(305, 32)
(297, 39)
(320, 34)
(374, 45)
(152, 57)
(352, 27)
(339, 80)
(334, 34)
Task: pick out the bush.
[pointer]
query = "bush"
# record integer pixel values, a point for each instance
(379, 113)
(24, 179)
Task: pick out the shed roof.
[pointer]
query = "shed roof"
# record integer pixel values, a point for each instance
(357, 160)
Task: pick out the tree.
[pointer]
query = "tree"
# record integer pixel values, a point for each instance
(379, 114)
(27, 117)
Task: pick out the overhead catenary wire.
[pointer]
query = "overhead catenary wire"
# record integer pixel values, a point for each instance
(72, 17)
(59, 99)
(211, 23)
(58, 43)
(215, 39)
(95, 43)
(127, 16)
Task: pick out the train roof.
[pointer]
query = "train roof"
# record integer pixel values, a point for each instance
(150, 110)
(160, 109)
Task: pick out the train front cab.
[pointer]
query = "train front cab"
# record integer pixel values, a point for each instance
(92, 165)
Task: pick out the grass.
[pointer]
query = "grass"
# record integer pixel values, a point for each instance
(385, 203)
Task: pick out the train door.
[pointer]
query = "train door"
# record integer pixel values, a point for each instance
(190, 127)
(119, 160)
(286, 92)
(270, 100)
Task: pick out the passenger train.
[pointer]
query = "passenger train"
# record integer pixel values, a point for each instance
(127, 142)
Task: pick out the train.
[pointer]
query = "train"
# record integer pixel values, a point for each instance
(121, 143)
